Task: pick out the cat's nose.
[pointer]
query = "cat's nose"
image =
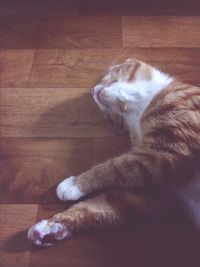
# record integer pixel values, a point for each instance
(97, 89)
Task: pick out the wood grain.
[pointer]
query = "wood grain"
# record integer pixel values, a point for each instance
(38, 8)
(139, 7)
(15, 67)
(161, 31)
(32, 168)
(60, 32)
(15, 250)
(51, 112)
(70, 68)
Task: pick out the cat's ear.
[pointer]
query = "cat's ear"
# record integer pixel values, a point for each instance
(139, 70)
(123, 106)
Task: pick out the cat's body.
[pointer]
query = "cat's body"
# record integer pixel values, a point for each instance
(162, 116)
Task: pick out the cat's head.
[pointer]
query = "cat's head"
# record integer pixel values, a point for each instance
(114, 93)
(123, 90)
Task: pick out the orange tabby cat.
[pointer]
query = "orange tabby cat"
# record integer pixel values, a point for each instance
(162, 116)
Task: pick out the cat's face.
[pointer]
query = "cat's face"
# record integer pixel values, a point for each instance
(107, 97)
(113, 93)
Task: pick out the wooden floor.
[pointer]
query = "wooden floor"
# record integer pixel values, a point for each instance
(51, 54)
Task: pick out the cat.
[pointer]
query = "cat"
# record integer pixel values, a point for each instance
(162, 116)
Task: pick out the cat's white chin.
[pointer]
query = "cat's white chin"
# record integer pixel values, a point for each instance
(68, 190)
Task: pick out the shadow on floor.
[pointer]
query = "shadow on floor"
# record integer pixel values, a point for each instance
(17, 243)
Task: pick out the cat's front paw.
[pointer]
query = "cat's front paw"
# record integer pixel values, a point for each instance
(46, 233)
(68, 190)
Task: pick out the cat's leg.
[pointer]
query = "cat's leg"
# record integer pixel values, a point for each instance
(107, 210)
(140, 168)
(114, 173)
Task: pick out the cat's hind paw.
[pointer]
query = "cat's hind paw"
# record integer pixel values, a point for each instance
(45, 233)
(68, 190)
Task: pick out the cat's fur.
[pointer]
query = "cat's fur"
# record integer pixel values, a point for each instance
(162, 116)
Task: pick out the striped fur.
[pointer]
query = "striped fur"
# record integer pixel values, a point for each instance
(161, 171)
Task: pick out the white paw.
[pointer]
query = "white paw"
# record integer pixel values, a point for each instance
(67, 190)
(45, 233)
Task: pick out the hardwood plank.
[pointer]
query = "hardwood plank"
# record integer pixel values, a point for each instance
(105, 148)
(139, 7)
(60, 32)
(64, 112)
(15, 67)
(32, 168)
(72, 67)
(167, 244)
(14, 221)
(37, 8)
(84, 68)
(16, 56)
(161, 31)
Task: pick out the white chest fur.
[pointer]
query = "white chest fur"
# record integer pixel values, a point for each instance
(138, 96)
